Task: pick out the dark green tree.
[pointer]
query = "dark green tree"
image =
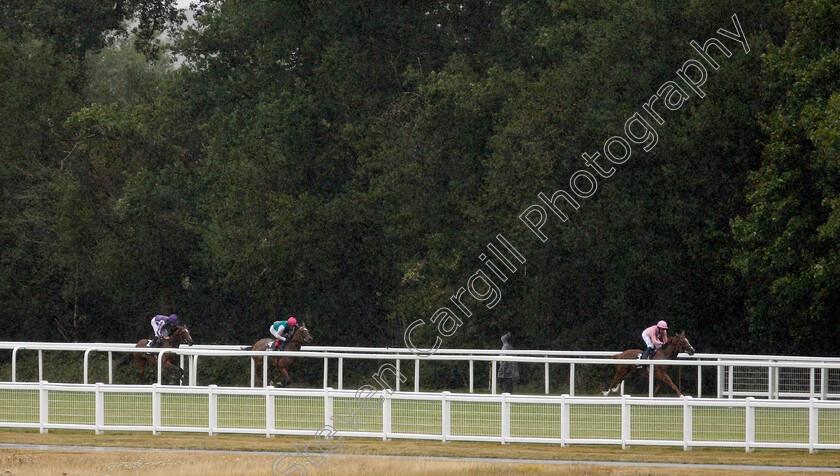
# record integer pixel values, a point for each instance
(787, 242)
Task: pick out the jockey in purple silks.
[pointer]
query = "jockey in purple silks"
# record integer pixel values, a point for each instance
(163, 326)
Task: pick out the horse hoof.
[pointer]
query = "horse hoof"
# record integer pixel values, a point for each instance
(605, 393)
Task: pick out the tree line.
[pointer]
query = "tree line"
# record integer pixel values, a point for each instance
(346, 162)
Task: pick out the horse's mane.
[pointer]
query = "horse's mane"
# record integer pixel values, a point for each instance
(673, 340)
(178, 328)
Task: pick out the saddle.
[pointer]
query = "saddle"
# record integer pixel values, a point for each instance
(639, 357)
(149, 346)
(273, 345)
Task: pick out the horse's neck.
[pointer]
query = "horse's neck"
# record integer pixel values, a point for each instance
(174, 341)
(669, 351)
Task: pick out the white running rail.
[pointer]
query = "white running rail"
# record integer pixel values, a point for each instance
(735, 375)
(565, 420)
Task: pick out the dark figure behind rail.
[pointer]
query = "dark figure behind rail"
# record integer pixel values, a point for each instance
(508, 372)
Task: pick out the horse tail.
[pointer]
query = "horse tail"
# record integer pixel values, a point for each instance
(129, 356)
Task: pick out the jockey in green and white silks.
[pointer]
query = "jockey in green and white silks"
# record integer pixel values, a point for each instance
(279, 328)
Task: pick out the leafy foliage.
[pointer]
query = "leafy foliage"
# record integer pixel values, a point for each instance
(346, 162)
(788, 245)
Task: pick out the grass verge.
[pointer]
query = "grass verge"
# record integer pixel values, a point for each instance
(363, 446)
(44, 463)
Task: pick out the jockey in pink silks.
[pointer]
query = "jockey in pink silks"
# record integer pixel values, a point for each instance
(654, 337)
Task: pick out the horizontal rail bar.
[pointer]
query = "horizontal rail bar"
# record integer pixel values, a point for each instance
(9, 345)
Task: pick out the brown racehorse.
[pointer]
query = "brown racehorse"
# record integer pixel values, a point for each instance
(668, 351)
(297, 337)
(180, 335)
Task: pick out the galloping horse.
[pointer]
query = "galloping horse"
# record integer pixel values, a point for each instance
(295, 339)
(669, 350)
(180, 335)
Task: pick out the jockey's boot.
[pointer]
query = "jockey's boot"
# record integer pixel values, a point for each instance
(155, 341)
(645, 355)
(283, 344)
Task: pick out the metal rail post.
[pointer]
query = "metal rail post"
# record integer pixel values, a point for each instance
(546, 377)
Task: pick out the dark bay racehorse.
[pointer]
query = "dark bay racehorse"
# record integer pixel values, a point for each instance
(296, 339)
(668, 351)
(180, 335)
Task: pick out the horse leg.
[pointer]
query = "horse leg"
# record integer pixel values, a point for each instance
(167, 368)
(257, 370)
(657, 388)
(618, 384)
(273, 372)
(663, 377)
(285, 374)
(140, 362)
(180, 374)
(170, 365)
(620, 374)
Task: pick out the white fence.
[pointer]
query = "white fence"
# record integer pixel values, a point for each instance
(565, 420)
(735, 375)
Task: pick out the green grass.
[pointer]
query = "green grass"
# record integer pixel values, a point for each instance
(424, 417)
(19, 406)
(134, 409)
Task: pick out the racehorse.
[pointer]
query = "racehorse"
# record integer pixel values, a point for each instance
(668, 351)
(180, 335)
(294, 341)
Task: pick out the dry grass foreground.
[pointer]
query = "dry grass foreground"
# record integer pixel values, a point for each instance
(25, 462)
(68, 463)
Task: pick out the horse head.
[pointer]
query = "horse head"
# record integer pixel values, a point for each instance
(182, 335)
(681, 343)
(303, 332)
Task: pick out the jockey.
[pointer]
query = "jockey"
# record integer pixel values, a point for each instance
(279, 328)
(654, 337)
(162, 326)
